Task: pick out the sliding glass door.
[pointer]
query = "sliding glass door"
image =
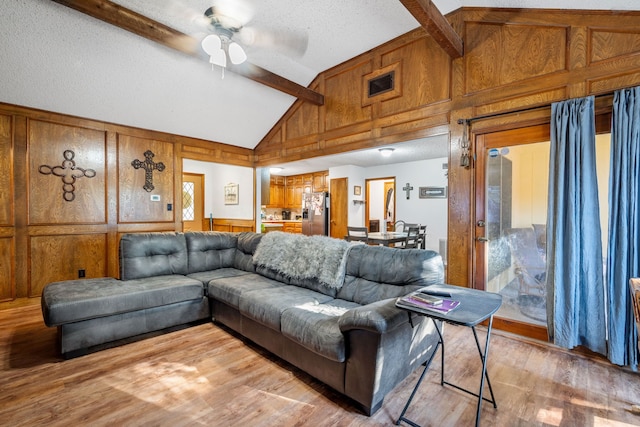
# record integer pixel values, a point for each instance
(511, 181)
(512, 170)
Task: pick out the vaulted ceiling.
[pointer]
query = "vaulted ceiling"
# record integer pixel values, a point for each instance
(59, 59)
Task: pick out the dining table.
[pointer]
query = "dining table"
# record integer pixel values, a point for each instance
(387, 238)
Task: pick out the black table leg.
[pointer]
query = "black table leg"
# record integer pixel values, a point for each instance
(484, 370)
(424, 371)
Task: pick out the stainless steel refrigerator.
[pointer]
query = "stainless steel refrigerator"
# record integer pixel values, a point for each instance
(315, 214)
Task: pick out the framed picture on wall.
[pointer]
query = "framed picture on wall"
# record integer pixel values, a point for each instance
(357, 190)
(433, 192)
(231, 194)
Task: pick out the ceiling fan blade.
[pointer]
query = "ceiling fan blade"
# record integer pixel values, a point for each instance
(287, 41)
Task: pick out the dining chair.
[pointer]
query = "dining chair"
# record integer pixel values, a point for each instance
(413, 235)
(422, 236)
(357, 234)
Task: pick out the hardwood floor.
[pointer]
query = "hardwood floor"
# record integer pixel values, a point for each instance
(204, 375)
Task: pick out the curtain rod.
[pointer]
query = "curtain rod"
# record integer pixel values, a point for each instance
(521, 110)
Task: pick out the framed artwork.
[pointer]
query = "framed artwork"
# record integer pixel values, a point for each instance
(357, 190)
(433, 193)
(231, 194)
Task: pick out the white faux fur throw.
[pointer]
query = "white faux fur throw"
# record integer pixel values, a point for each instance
(304, 257)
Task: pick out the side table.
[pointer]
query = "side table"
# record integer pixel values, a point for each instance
(475, 307)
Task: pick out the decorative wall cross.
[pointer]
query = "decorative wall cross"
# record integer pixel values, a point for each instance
(69, 173)
(149, 166)
(408, 189)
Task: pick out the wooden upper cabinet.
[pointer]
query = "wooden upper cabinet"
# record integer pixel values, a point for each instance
(320, 181)
(276, 192)
(277, 180)
(289, 195)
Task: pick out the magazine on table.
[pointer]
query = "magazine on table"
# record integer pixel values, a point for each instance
(422, 300)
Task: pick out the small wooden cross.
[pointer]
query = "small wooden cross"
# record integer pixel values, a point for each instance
(408, 189)
(149, 166)
(69, 173)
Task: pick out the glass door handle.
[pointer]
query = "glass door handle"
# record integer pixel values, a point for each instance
(482, 239)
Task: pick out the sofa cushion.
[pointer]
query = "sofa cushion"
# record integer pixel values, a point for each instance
(375, 273)
(229, 289)
(267, 305)
(247, 245)
(152, 254)
(76, 300)
(206, 276)
(315, 327)
(210, 250)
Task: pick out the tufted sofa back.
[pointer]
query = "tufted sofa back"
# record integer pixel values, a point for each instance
(210, 250)
(375, 273)
(152, 254)
(247, 244)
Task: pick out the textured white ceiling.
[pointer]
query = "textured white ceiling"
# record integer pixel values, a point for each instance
(57, 59)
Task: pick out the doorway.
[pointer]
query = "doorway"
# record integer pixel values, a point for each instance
(192, 201)
(380, 205)
(511, 177)
(338, 208)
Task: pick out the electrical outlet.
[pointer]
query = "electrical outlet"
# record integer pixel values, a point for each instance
(81, 274)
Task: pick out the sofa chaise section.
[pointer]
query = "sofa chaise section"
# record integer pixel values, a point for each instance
(153, 294)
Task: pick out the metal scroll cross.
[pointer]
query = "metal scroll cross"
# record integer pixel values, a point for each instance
(408, 189)
(149, 166)
(69, 173)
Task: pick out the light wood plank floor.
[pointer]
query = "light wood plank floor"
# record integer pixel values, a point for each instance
(204, 375)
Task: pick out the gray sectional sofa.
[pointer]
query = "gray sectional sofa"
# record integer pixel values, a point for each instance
(324, 305)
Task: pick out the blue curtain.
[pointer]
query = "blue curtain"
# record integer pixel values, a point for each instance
(575, 288)
(624, 225)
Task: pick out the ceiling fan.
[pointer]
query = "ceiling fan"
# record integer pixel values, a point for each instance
(227, 23)
(180, 40)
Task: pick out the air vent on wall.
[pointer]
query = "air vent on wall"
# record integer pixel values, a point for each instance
(381, 84)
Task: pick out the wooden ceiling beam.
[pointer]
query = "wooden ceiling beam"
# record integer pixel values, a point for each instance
(434, 22)
(143, 26)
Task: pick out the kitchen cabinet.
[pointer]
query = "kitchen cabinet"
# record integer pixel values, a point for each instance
(286, 192)
(293, 192)
(320, 181)
(292, 227)
(276, 192)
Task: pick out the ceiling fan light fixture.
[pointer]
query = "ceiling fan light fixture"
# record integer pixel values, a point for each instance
(385, 152)
(236, 53)
(211, 44)
(218, 58)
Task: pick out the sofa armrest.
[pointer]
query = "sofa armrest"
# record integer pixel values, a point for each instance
(380, 317)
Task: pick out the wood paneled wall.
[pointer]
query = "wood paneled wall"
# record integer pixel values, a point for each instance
(68, 190)
(513, 59)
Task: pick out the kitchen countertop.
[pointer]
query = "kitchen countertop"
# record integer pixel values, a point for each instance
(271, 221)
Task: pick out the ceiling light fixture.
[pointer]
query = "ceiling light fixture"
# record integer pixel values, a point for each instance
(386, 152)
(219, 47)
